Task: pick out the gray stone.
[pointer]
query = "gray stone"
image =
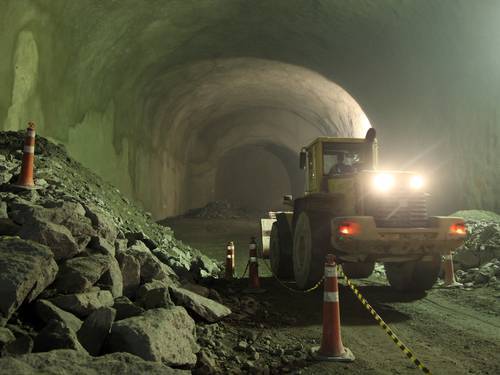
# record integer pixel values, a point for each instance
(22, 344)
(112, 279)
(163, 335)
(67, 214)
(64, 361)
(3, 210)
(151, 267)
(131, 273)
(79, 274)
(83, 304)
(134, 237)
(55, 335)
(206, 308)
(26, 269)
(5, 336)
(126, 308)
(153, 295)
(47, 311)
(95, 329)
(57, 237)
(102, 223)
(102, 246)
(121, 245)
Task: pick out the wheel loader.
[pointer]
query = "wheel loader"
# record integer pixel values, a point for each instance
(360, 214)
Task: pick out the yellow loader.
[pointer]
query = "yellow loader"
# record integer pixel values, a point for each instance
(360, 214)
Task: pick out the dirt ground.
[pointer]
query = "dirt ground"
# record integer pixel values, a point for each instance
(452, 331)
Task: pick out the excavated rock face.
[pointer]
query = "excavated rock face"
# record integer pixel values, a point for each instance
(164, 99)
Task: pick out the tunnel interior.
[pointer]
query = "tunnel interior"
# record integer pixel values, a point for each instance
(154, 98)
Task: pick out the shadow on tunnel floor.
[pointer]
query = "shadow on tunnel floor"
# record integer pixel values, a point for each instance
(280, 307)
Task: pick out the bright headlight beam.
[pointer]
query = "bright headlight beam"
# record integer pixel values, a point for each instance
(383, 182)
(416, 182)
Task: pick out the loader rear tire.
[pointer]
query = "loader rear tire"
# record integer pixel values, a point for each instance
(415, 276)
(310, 244)
(280, 253)
(358, 270)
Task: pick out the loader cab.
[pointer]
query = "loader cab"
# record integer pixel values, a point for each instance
(332, 163)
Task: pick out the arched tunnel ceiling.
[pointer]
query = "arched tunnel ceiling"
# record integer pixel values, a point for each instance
(122, 73)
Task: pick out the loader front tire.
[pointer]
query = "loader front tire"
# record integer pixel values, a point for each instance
(310, 244)
(358, 270)
(414, 276)
(280, 252)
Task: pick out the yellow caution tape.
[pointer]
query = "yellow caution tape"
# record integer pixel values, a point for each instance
(385, 327)
(315, 286)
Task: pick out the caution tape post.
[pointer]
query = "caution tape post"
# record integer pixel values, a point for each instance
(331, 348)
(230, 261)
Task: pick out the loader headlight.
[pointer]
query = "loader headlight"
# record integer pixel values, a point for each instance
(416, 182)
(383, 182)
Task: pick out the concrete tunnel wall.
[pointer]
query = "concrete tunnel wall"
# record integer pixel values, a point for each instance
(156, 96)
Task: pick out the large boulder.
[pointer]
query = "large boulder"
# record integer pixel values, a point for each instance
(130, 269)
(79, 274)
(95, 329)
(55, 335)
(83, 304)
(102, 223)
(6, 336)
(162, 335)
(70, 215)
(57, 237)
(125, 308)
(74, 362)
(22, 343)
(153, 295)
(112, 279)
(47, 311)
(204, 307)
(26, 269)
(151, 267)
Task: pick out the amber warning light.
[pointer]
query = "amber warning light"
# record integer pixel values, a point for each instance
(458, 228)
(348, 229)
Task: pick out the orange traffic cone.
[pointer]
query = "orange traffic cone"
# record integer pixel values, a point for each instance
(331, 348)
(253, 269)
(449, 272)
(230, 261)
(26, 177)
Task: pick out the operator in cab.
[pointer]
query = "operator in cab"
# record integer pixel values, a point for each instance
(341, 167)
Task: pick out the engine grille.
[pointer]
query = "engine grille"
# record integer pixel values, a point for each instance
(399, 209)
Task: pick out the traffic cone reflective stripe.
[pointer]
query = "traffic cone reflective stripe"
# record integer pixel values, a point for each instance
(230, 261)
(26, 176)
(449, 272)
(331, 348)
(253, 267)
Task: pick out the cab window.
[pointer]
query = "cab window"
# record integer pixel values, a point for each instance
(344, 158)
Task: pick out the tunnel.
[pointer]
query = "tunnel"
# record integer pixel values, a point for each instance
(163, 99)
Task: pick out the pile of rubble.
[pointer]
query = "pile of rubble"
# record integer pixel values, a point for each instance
(217, 210)
(249, 350)
(89, 281)
(477, 260)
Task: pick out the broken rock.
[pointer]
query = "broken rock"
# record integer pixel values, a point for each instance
(154, 295)
(64, 361)
(56, 335)
(57, 237)
(206, 308)
(112, 279)
(95, 329)
(80, 274)
(125, 308)
(83, 304)
(163, 335)
(47, 311)
(26, 269)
